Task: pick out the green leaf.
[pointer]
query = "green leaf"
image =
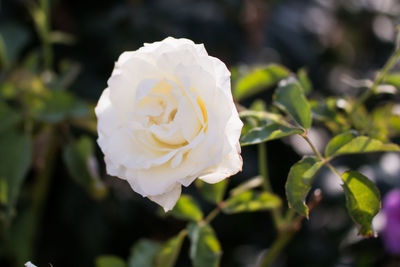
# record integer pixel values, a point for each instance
(15, 38)
(8, 117)
(257, 80)
(169, 252)
(59, 105)
(326, 111)
(213, 193)
(187, 209)
(250, 201)
(264, 116)
(350, 143)
(393, 79)
(143, 253)
(82, 166)
(299, 183)
(291, 99)
(15, 160)
(362, 200)
(205, 249)
(109, 261)
(258, 105)
(304, 81)
(266, 133)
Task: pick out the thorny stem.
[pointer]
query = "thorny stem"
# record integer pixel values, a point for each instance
(289, 228)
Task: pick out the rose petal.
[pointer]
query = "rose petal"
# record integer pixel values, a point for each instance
(168, 199)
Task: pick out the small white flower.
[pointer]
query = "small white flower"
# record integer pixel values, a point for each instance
(167, 118)
(29, 264)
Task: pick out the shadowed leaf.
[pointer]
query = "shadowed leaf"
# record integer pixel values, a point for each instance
(169, 252)
(205, 249)
(15, 159)
(143, 253)
(266, 133)
(299, 183)
(213, 193)
(290, 97)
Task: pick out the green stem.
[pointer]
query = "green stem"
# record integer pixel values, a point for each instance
(378, 80)
(211, 216)
(42, 185)
(45, 36)
(263, 169)
(275, 250)
(316, 152)
(263, 166)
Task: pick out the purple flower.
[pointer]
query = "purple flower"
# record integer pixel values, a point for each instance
(391, 232)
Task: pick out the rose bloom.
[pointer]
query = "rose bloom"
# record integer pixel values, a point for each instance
(391, 232)
(166, 118)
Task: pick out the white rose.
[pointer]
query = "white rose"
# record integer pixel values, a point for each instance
(29, 264)
(167, 118)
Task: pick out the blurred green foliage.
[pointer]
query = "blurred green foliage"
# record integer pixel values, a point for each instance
(55, 57)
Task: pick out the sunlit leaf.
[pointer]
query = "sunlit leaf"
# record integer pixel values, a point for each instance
(82, 166)
(258, 105)
(393, 79)
(258, 79)
(250, 201)
(264, 116)
(362, 200)
(187, 209)
(266, 133)
(299, 183)
(143, 253)
(350, 143)
(169, 252)
(304, 81)
(205, 249)
(15, 159)
(213, 193)
(109, 261)
(290, 97)
(360, 118)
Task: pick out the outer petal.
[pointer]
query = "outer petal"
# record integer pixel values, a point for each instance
(231, 164)
(169, 198)
(109, 118)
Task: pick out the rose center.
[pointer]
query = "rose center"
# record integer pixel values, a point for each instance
(171, 115)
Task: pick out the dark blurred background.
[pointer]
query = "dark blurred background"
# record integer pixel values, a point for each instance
(332, 39)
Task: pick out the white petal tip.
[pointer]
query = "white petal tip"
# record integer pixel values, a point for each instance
(168, 199)
(29, 264)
